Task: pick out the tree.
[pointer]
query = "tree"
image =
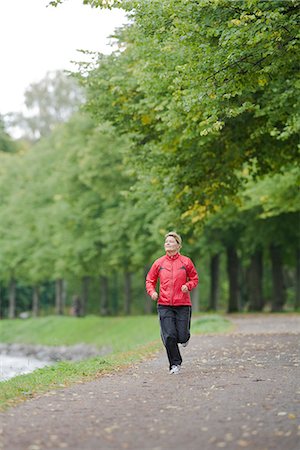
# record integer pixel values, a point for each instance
(49, 102)
(204, 87)
(254, 280)
(214, 282)
(275, 202)
(6, 142)
(197, 108)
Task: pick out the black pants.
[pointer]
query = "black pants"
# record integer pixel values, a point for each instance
(175, 324)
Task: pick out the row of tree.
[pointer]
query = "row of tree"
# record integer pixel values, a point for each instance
(192, 126)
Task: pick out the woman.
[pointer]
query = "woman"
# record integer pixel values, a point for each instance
(177, 276)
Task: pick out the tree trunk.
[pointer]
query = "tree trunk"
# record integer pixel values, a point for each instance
(297, 298)
(127, 292)
(254, 282)
(35, 301)
(84, 295)
(12, 299)
(76, 305)
(64, 293)
(195, 298)
(115, 293)
(214, 282)
(59, 304)
(103, 296)
(233, 277)
(148, 300)
(278, 297)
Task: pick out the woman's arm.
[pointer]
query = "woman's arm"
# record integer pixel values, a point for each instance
(151, 281)
(192, 276)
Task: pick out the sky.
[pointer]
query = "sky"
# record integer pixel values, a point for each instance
(35, 39)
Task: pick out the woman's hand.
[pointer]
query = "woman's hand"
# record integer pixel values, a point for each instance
(184, 288)
(154, 296)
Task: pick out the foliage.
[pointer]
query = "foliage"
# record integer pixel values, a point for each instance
(191, 125)
(6, 142)
(274, 195)
(204, 88)
(267, 212)
(53, 200)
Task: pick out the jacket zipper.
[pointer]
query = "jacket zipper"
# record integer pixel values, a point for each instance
(172, 283)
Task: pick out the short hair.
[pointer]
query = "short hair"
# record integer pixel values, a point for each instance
(176, 236)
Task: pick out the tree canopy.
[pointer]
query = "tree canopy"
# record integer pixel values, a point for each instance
(205, 88)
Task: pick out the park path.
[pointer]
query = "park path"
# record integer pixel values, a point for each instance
(234, 391)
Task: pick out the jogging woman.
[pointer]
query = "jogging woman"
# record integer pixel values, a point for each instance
(177, 276)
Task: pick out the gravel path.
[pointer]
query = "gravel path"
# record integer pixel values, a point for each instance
(234, 391)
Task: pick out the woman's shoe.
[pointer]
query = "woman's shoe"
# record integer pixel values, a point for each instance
(174, 369)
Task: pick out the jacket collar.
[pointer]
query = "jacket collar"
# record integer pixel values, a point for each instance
(173, 257)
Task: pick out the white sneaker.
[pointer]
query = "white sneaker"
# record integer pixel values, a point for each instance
(185, 344)
(175, 369)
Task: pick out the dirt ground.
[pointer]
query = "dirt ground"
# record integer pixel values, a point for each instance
(234, 391)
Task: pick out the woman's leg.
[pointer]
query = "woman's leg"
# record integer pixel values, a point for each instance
(168, 330)
(183, 323)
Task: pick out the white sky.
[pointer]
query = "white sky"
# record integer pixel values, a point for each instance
(35, 39)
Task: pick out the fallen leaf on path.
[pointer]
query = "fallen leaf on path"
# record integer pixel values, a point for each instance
(243, 443)
(228, 437)
(111, 429)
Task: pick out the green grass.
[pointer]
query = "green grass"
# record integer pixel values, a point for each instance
(132, 339)
(210, 323)
(119, 333)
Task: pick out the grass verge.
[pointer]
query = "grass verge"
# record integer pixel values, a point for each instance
(133, 339)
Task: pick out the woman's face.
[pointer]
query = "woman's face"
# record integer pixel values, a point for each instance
(171, 245)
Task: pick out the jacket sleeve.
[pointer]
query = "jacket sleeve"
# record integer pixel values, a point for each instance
(151, 279)
(192, 276)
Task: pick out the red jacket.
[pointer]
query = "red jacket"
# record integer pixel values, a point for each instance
(172, 272)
